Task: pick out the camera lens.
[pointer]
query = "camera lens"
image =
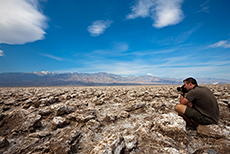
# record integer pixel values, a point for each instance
(178, 88)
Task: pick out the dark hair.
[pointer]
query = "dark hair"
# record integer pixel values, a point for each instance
(192, 80)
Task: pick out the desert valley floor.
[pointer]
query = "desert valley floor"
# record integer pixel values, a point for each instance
(106, 120)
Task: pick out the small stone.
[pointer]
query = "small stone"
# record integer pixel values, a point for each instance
(58, 122)
(32, 122)
(170, 150)
(84, 115)
(60, 109)
(93, 125)
(52, 100)
(3, 142)
(211, 151)
(111, 143)
(44, 111)
(135, 107)
(130, 142)
(123, 114)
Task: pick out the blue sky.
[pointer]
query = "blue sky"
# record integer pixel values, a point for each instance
(164, 38)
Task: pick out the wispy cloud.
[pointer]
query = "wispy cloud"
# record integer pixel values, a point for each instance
(1, 53)
(117, 49)
(177, 67)
(120, 46)
(170, 68)
(98, 27)
(120, 49)
(52, 57)
(204, 7)
(152, 52)
(163, 12)
(222, 43)
(57, 26)
(21, 21)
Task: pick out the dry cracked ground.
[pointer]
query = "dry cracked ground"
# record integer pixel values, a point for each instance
(106, 120)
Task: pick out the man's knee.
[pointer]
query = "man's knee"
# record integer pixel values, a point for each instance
(179, 108)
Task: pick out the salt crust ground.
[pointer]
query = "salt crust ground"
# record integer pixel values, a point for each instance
(99, 120)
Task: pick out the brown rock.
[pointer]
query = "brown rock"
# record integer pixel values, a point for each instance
(135, 106)
(215, 131)
(3, 142)
(60, 109)
(59, 122)
(222, 146)
(93, 125)
(65, 141)
(120, 119)
(112, 144)
(84, 115)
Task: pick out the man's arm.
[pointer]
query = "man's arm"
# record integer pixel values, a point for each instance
(183, 100)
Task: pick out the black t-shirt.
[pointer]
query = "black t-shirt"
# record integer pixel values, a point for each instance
(204, 101)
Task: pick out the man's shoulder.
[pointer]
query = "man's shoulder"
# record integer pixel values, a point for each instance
(200, 89)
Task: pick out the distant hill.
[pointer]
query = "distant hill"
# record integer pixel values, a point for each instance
(46, 78)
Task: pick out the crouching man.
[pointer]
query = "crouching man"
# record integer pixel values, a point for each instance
(199, 106)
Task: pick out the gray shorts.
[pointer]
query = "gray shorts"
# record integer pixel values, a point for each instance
(197, 116)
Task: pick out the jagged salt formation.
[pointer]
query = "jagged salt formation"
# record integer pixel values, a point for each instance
(98, 120)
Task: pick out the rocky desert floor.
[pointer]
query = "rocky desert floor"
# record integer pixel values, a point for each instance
(106, 120)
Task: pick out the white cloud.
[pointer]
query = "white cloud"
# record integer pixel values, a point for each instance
(222, 43)
(163, 12)
(150, 74)
(21, 21)
(168, 12)
(141, 9)
(98, 27)
(1, 53)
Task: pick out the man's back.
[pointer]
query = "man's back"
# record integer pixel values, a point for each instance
(204, 101)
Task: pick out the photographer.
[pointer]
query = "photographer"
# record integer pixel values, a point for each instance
(199, 106)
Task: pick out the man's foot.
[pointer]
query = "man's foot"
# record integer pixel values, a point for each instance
(193, 127)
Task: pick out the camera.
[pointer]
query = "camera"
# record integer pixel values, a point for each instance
(182, 89)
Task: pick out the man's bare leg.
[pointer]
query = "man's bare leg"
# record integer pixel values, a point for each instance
(180, 109)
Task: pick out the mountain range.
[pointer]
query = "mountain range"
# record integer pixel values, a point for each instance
(45, 78)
